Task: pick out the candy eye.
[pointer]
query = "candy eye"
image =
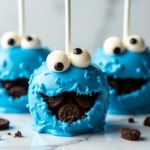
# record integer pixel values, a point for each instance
(113, 45)
(58, 61)
(31, 42)
(10, 40)
(80, 57)
(135, 43)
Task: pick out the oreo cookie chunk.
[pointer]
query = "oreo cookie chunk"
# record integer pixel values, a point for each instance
(4, 124)
(86, 101)
(131, 120)
(69, 112)
(16, 88)
(53, 101)
(147, 121)
(114, 85)
(18, 134)
(17, 91)
(130, 134)
(7, 84)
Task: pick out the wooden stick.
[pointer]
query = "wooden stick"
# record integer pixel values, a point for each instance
(21, 17)
(126, 19)
(68, 26)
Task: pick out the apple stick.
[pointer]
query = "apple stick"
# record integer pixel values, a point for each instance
(21, 17)
(68, 26)
(126, 19)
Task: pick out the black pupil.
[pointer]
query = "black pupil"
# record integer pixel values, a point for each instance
(117, 50)
(11, 41)
(77, 51)
(59, 66)
(133, 41)
(29, 38)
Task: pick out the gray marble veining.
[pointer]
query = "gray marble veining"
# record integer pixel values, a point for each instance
(109, 139)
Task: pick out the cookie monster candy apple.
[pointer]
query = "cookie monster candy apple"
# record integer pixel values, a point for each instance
(68, 95)
(19, 56)
(127, 66)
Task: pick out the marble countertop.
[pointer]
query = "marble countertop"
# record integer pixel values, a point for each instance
(109, 139)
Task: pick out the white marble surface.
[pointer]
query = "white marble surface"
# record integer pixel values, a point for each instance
(105, 140)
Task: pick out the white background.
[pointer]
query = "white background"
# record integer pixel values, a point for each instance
(92, 21)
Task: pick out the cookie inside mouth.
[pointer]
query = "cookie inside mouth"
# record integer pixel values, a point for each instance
(126, 86)
(16, 88)
(70, 107)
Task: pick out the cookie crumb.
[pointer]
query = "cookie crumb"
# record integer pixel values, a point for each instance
(131, 120)
(18, 134)
(8, 133)
(147, 121)
(130, 134)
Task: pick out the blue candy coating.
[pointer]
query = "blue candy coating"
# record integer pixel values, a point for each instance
(83, 81)
(126, 65)
(18, 63)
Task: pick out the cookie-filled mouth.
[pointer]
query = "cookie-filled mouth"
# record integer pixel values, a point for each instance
(126, 86)
(16, 88)
(70, 107)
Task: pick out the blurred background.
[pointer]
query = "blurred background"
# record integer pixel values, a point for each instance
(92, 21)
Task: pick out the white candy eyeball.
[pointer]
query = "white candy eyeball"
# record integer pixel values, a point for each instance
(113, 45)
(135, 43)
(10, 40)
(80, 57)
(58, 61)
(31, 42)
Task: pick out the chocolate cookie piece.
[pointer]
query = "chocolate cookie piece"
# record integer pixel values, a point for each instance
(22, 82)
(7, 84)
(53, 101)
(130, 134)
(86, 101)
(4, 124)
(18, 134)
(133, 89)
(147, 121)
(126, 89)
(69, 112)
(83, 117)
(17, 82)
(131, 120)
(114, 85)
(17, 91)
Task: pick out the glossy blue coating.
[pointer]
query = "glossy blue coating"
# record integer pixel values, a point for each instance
(127, 65)
(17, 63)
(83, 81)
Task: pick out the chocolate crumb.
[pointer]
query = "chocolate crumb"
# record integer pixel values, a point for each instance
(130, 134)
(8, 133)
(18, 134)
(131, 120)
(147, 121)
